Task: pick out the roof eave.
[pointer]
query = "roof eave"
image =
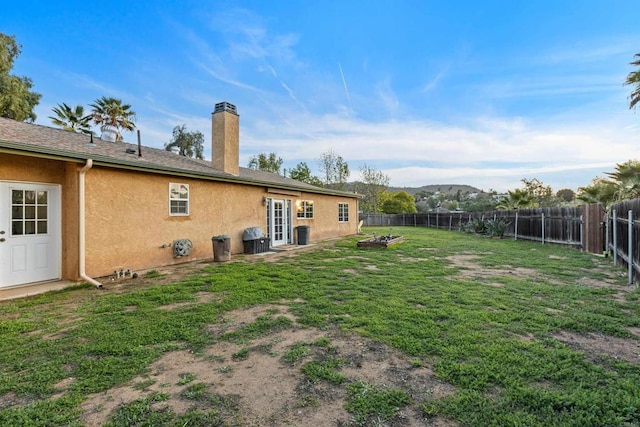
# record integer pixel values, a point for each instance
(99, 160)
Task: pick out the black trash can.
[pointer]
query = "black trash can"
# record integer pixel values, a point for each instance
(254, 241)
(221, 248)
(303, 234)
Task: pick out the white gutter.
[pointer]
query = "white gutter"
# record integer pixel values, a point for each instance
(81, 226)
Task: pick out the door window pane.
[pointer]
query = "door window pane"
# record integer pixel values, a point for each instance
(17, 197)
(16, 228)
(42, 197)
(29, 197)
(17, 212)
(42, 227)
(42, 212)
(29, 227)
(29, 212)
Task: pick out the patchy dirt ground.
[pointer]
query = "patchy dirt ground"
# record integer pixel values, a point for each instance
(256, 385)
(596, 346)
(253, 383)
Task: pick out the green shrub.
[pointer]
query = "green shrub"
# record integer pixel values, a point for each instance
(496, 227)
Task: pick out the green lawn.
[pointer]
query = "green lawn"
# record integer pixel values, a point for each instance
(484, 314)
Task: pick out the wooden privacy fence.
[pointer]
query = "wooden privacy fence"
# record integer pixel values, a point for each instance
(622, 236)
(580, 227)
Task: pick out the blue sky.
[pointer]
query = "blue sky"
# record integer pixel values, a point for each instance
(483, 93)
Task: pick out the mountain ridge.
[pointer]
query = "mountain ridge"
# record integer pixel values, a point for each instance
(442, 188)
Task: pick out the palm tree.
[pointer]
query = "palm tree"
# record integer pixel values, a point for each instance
(518, 199)
(601, 191)
(634, 79)
(627, 178)
(112, 112)
(72, 119)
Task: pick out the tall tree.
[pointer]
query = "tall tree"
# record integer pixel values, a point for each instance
(302, 172)
(543, 195)
(399, 202)
(17, 101)
(335, 171)
(633, 79)
(374, 183)
(566, 194)
(190, 144)
(266, 162)
(71, 119)
(107, 111)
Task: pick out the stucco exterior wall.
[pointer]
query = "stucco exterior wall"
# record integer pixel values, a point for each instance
(128, 225)
(324, 224)
(36, 170)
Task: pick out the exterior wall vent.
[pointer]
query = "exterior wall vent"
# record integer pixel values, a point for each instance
(109, 133)
(175, 150)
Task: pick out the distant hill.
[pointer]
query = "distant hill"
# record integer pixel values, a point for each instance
(442, 188)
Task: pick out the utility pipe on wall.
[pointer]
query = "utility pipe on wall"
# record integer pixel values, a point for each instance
(81, 226)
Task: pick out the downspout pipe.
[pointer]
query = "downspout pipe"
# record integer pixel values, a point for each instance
(81, 227)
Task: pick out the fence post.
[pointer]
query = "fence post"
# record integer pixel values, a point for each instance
(515, 237)
(615, 237)
(606, 236)
(630, 251)
(581, 234)
(542, 217)
(450, 219)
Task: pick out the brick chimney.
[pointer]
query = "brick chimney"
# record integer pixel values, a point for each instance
(225, 138)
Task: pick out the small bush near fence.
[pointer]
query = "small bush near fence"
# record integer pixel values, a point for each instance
(494, 227)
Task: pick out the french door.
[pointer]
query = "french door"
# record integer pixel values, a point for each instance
(279, 221)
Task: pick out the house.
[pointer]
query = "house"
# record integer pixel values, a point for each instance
(76, 208)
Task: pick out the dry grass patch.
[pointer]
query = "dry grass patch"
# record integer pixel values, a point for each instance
(268, 390)
(596, 345)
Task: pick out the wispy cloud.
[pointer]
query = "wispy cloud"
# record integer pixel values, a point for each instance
(435, 81)
(387, 96)
(224, 79)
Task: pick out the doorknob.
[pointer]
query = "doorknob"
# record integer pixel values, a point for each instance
(2, 239)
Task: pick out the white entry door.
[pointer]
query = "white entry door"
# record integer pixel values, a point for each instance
(30, 244)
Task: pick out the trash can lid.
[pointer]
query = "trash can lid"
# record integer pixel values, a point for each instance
(221, 237)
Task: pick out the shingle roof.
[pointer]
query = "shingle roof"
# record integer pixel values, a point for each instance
(46, 141)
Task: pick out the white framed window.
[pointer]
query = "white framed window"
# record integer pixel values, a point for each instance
(343, 212)
(178, 199)
(304, 209)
